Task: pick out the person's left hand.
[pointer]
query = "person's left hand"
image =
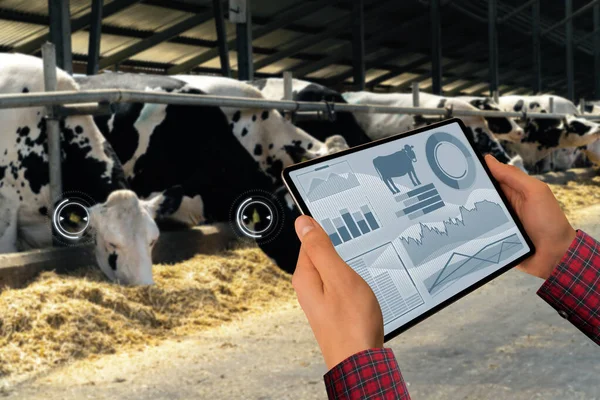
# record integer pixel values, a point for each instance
(340, 306)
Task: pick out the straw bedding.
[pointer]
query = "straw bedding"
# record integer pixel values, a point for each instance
(60, 318)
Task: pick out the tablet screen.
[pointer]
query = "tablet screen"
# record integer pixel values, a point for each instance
(417, 217)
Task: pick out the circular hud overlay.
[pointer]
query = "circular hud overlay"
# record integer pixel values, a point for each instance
(257, 216)
(70, 219)
(450, 160)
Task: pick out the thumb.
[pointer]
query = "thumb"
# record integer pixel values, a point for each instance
(508, 174)
(318, 247)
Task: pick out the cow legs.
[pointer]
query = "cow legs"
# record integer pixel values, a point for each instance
(396, 190)
(416, 180)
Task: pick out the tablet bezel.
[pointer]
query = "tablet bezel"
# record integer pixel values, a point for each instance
(293, 190)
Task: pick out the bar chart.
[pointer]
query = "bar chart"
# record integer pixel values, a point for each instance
(350, 225)
(419, 201)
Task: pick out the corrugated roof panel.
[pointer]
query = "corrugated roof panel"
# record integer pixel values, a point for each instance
(280, 66)
(400, 79)
(269, 8)
(454, 84)
(322, 17)
(369, 75)
(144, 17)
(277, 39)
(174, 53)
(208, 31)
(329, 72)
(475, 87)
(325, 47)
(41, 7)
(15, 33)
(109, 44)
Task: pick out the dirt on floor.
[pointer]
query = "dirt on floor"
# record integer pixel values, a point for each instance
(59, 319)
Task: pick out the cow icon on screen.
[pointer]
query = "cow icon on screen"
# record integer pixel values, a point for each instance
(397, 164)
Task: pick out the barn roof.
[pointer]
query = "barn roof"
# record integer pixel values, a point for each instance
(313, 39)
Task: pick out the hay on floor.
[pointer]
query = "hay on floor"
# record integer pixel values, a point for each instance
(57, 319)
(577, 194)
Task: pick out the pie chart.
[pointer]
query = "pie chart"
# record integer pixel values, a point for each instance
(450, 160)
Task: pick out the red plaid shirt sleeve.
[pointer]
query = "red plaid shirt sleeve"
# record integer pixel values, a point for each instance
(369, 374)
(573, 289)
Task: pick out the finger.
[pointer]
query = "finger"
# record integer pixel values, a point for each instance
(319, 249)
(307, 282)
(509, 175)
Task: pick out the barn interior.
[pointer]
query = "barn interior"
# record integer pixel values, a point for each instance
(221, 319)
(448, 47)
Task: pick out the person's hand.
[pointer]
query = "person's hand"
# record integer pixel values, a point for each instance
(538, 210)
(340, 306)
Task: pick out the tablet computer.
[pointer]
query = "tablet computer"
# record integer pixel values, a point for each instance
(417, 215)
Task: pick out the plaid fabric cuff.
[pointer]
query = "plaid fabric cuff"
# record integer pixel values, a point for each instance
(369, 374)
(573, 289)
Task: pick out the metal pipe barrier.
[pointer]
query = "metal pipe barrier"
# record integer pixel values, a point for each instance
(107, 96)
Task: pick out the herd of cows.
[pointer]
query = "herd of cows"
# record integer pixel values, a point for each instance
(188, 164)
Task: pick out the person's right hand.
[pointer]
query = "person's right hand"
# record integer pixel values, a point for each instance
(538, 210)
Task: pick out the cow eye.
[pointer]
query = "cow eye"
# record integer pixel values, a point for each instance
(152, 243)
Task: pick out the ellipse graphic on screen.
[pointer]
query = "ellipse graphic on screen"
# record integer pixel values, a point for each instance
(450, 160)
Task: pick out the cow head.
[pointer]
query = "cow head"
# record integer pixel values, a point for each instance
(125, 233)
(410, 152)
(275, 142)
(503, 128)
(583, 128)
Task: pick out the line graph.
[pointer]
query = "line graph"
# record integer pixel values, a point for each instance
(328, 180)
(426, 243)
(461, 264)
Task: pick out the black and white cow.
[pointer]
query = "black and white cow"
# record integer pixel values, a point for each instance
(216, 154)
(543, 136)
(123, 225)
(503, 128)
(383, 125)
(344, 123)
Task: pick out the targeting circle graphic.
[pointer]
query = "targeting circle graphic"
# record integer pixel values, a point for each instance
(256, 216)
(450, 160)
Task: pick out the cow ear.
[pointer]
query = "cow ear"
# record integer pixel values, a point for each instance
(165, 203)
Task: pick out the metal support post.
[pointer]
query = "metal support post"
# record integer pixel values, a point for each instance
(358, 44)
(569, 53)
(244, 41)
(537, 47)
(287, 85)
(551, 105)
(52, 126)
(415, 94)
(493, 43)
(95, 35)
(222, 37)
(60, 33)
(436, 47)
(582, 106)
(288, 92)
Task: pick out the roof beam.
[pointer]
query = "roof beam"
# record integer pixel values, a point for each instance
(295, 46)
(343, 50)
(76, 24)
(155, 39)
(398, 71)
(285, 18)
(389, 55)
